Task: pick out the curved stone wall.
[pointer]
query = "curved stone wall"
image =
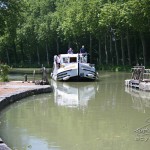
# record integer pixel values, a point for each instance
(8, 99)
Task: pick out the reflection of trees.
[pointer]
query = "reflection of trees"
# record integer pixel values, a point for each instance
(65, 127)
(107, 123)
(140, 99)
(110, 93)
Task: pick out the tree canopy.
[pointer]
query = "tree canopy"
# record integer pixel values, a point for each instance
(115, 32)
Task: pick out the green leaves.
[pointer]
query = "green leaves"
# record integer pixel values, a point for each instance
(27, 23)
(4, 70)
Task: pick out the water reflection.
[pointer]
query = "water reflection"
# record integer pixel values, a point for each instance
(74, 94)
(57, 121)
(140, 99)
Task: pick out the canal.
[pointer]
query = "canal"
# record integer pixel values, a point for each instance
(102, 115)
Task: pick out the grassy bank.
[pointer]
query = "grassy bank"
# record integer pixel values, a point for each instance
(114, 68)
(27, 70)
(98, 68)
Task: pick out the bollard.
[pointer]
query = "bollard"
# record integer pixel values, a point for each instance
(25, 78)
(33, 76)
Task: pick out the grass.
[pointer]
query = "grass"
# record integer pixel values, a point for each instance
(26, 70)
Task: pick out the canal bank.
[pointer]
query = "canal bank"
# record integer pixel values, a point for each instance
(13, 91)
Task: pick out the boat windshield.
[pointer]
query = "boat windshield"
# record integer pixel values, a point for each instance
(69, 59)
(65, 60)
(82, 58)
(73, 59)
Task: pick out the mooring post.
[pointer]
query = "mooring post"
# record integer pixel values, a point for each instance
(25, 78)
(33, 76)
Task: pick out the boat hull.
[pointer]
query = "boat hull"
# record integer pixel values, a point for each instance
(79, 72)
(73, 67)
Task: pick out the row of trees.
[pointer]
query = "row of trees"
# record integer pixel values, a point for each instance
(115, 32)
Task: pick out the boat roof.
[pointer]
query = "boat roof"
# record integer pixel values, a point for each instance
(69, 55)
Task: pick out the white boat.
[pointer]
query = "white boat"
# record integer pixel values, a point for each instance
(73, 67)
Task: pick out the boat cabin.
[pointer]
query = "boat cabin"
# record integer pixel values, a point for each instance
(73, 58)
(73, 66)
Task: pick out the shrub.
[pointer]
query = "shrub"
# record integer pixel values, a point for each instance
(4, 70)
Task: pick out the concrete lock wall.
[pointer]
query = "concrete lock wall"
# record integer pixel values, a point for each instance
(10, 98)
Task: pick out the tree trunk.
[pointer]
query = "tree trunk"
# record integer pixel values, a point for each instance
(28, 53)
(78, 51)
(106, 53)
(144, 47)
(7, 53)
(90, 49)
(135, 51)
(122, 50)
(15, 52)
(38, 56)
(22, 51)
(69, 44)
(111, 56)
(47, 55)
(57, 43)
(116, 50)
(128, 47)
(99, 52)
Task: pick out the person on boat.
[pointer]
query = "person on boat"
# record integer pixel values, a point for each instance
(70, 51)
(55, 60)
(58, 61)
(82, 50)
(83, 54)
(55, 67)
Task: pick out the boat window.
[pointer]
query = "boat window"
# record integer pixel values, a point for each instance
(73, 59)
(65, 60)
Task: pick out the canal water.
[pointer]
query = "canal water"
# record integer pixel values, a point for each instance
(102, 115)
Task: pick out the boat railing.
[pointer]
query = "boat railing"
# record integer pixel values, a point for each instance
(83, 57)
(138, 73)
(146, 75)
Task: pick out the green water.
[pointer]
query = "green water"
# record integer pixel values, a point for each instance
(101, 115)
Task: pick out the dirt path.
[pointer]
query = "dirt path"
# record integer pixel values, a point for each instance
(15, 86)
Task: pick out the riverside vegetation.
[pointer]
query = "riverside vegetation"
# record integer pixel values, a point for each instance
(114, 32)
(4, 70)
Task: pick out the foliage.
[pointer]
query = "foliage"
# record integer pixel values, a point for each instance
(115, 68)
(4, 70)
(35, 30)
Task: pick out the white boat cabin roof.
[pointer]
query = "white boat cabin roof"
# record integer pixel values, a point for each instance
(73, 58)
